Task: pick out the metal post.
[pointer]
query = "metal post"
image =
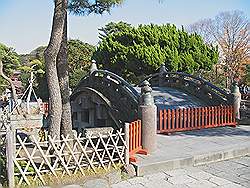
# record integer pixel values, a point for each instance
(10, 134)
(148, 112)
(127, 143)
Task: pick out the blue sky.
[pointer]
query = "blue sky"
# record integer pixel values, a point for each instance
(26, 24)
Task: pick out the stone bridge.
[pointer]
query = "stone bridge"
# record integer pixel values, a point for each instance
(103, 98)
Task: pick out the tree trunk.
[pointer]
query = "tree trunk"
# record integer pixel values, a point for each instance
(63, 76)
(50, 56)
(13, 88)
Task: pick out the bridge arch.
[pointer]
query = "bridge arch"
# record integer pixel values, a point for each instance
(120, 98)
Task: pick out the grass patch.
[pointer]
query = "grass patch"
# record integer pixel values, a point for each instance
(65, 179)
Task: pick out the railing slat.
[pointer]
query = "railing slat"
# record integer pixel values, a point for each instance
(181, 118)
(169, 119)
(165, 119)
(160, 120)
(185, 118)
(177, 119)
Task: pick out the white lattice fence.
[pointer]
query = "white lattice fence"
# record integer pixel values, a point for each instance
(3, 122)
(68, 156)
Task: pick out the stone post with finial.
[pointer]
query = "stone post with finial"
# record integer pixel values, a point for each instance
(93, 66)
(148, 113)
(162, 74)
(237, 99)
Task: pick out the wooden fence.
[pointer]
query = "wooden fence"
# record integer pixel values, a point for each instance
(34, 160)
(195, 118)
(135, 140)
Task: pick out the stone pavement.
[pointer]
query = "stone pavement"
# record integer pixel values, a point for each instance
(171, 98)
(225, 174)
(167, 97)
(195, 148)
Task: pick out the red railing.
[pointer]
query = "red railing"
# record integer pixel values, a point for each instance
(195, 118)
(135, 140)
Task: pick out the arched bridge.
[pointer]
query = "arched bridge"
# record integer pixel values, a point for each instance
(121, 99)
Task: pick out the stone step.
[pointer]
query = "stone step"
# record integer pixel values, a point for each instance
(196, 160)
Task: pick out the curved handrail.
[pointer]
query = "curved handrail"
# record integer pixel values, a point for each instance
(203, 81)
(120, 81)
(74, 95)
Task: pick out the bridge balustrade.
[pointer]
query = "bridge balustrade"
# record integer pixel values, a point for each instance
(196, 86)
(195, 118)
(135, 140)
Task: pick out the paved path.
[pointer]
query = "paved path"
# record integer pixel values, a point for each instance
(225, 174)
(166, 97)
(195, 148)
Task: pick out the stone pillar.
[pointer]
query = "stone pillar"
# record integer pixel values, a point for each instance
(148, 112)
(162, 75)
(93, 67)
(127, 143)
(237, 99)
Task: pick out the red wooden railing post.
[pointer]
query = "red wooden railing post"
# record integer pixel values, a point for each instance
(209, 116)
(177, 119)
(228, 114)
(225, 115)
(140, 143)
(212, 116)
(173, 119)
(188, 113)
(219, 115)
(185, 122)
(216, 116)
(195, 118)
(192, 118)
(203, 117)
(165, 119)
(160, 120)
(181, 118)
(199, 118)
(169, 119)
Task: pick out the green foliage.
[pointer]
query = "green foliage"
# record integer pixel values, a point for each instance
(35, 61)
(9, 58)
(86, 7)
(138, 51)
(79, 59)
(3, 175)
(112, 28)
(11, 62)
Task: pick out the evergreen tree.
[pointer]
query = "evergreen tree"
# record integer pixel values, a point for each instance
(134, 52)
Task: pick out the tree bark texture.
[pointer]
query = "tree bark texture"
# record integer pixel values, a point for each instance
(13, 88)
(50, 56)
(63, 76)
